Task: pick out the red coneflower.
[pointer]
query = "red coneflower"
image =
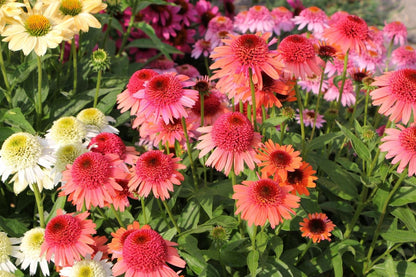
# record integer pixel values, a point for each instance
(301, 179)
(396, 94)
(317, 227)
(145, 254)
(67, 238)
(157, 172)
(232, 139)
(262, 200)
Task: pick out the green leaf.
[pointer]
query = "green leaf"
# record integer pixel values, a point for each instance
(262, 240)
(59, 204)
(272, 122)
(404, 196)
(406, 216)
(190, 216)
(12, 226)
(321, 141)
(195, 264)
(15, 118)
(401, 268)
(106, 103)
(253, 261)
(5, 132)
(359, 147)
(400, 236)
(337, 264)
(277, 246)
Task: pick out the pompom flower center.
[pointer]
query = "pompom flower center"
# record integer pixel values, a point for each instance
(267, 192)
(106, 143)
(21, 150)
(145, 250)
(403, 85)
(155, 166)
(63, 230)
(164, 89)
(32, 242)
(354, 27)
(92, 116)
(250, 50)
(408, 139)
(67, 155)
(37, 25)
(280, 159)
(5, 247)
(67, 130)
(91, 170)
(71, 7)
(88, 268)
(137, 80)
(296, 49)
(317, 226)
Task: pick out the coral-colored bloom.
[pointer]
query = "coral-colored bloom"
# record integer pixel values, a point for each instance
(242, 53)
(317, 227)
(298, 55)
(396, 94)
(67, 238)
(145, 254)
(400, 144)
(395, 31)
(157, 172)
(233, 140)
(277, 160)
(349, 32)
(91, 179)
(262, 200)
(214, 106)
(301, 179)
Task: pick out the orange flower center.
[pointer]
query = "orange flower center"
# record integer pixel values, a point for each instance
(71, 7)
(37, 25)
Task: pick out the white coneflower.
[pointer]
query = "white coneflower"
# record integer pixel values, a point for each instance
(6, 274)
(29, 254)
(66, 130)
(7, 249)
(27, 157)
(89, 267)
(96, 121)
(65, 155)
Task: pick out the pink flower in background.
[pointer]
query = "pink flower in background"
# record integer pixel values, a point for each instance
(314, 18)
(348, 95)
(370, 60)
(404, 57)
(311, 84)
(201, 47)
(188, 70)
(282, 20)
(337, 66)
(257, 19)
(395, 31)
(206, 12)
(309, 117)
(187, 11)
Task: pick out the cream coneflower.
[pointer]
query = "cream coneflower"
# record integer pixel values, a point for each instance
(66, 130)
(29, 254)
(36, 30)
(96, 121)
(29, 159)
(95, 267)
(65, 155)
(7, 249)
(9, 10)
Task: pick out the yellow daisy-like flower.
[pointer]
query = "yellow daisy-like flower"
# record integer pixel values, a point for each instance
(80, 11)
(9, 10)
(37, 30)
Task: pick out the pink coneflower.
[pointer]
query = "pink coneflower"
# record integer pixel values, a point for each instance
(165, 19)
(282, 20)
(404, 57)
(400, 144)
(165, 96)
(312, 83)
(317, 227)
(396, 94)
(125, 100)
(337, 16)
(370, 60)
(67, 238)
(109, 143)
(314, 18)
(299, 57)
(337, 66)
(145, 254)
(183, 40)
(187, 11)
(350, 32)
(262, 200)
(162, 65)
(395, 31)
(121, 198)
(157, 172)
(188, 70)
(201, 47)
(91, 179)
(258, 19)
(206, 12)
(301, 179)
(232, 139)
(309, 117)
(241, 53)
(217, 24)
(348, 95)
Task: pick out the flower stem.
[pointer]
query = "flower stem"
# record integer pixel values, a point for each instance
(304, 252)
(253, 99)
(126, 34)
(357, 95)
(207, 66)
(360, 206)
(367, 95)
(144, 210)
(39, 96)
(171, 216)
(302, 124)
(7, 92)
(97, 88)
(343, 77)
(39, 204)
(188, 148)
(74, 65)
(117, 215)
(318, 101)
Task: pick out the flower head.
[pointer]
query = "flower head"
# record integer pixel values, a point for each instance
(314, 18)
(96, 267)
(282, 20)
(301, 179)
(67, 238)
(232, 139)
(317, 227)
(396, 94)
(309, 118)
(262, 200)
(7, 249)
(28, 159)
(100, 61)
(96, 121)
(145, 253)
(395, 31)
(66, 130)
(404, 57)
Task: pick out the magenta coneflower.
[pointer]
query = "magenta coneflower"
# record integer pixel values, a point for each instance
(91, 179)
(309, 117)
(282, 20)
(350, 32)
(206, 12)
(67, 238)
(299, 57)
(395, 31)
(400, 144)
(218, 24)
(242, 53)
(262, 200)
(187, 11)
(232, 139)
(157, 172)
(145, 254)
(404, 57)
(336, 67)
(313, 17)
(165, 96)
(396, 94)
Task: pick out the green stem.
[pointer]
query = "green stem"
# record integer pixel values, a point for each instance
(39, 97)
(253, 99)
(117, 215)
(97, 88)
(367, 96)
(388, 251)
(171, 216)
(188, 149)
(389, 50)
(318, 101)
(302, 124)
(39, 204)
(233, 177)
(343, 78)
(201, 99)
(253, 238)
(282, 131)
(304, 252)
(360, 206)
(107, 31)
(7, 93)
(357, 95)
(207, 66)
(144, 210)
(74, 65)
(126, 34)
(380, 221)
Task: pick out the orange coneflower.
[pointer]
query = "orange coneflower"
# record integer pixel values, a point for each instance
(301, 179)
(317, 227)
